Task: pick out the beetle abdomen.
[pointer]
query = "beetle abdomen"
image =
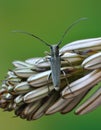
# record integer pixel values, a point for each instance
(55, 67)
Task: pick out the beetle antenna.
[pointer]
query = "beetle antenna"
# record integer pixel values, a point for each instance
(30, 34)
(68, 29)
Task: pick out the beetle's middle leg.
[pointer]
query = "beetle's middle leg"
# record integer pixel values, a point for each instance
(48, 78)
(68, 62)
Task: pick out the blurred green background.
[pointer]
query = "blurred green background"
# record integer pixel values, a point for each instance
(47, 19)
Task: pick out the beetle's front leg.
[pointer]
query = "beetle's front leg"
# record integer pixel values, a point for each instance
(84, 53)
(47, 53)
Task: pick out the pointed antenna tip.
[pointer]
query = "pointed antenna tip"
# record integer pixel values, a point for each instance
(19, 31)
(13, 31)
(83, 18)
(77, 21)
(30, 34)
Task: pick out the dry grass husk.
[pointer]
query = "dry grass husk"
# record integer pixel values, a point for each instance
(30, 95)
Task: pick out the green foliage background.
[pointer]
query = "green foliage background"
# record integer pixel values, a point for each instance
(47, 19)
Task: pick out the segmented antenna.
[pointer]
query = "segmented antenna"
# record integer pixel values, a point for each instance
(61, 40)
(68, 29)
(30, 34)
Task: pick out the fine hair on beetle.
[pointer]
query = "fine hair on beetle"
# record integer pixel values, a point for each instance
(55, 57)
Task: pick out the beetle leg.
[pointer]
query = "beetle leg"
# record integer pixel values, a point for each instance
(84, 53)
(61, 54)
(68, 62)
(48, 78)
(67, 82)
(47, 53)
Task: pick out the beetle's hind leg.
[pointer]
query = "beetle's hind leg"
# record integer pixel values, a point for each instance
(67, 82)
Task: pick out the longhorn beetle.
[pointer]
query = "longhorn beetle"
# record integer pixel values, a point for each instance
(55, 58)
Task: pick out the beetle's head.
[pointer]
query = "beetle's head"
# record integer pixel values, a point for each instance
(54, 50)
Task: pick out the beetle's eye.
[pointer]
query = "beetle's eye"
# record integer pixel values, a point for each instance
(50, 47)
(57, 47)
